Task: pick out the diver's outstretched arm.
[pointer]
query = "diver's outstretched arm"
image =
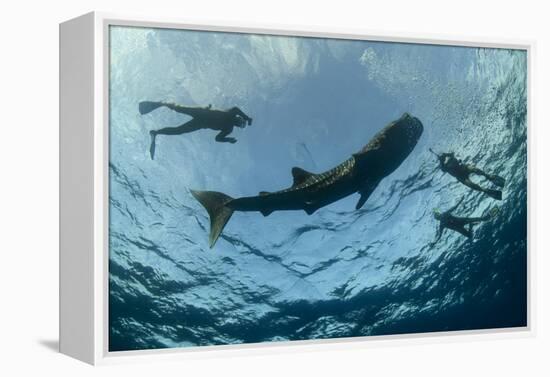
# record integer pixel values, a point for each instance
(221, 137)
(146, 107)
(441, 157)
(444, 154)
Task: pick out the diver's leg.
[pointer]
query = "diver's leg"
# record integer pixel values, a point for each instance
(221, 137)
(462, 230)
(475, 220)
(496, 194)
(190, 126)
(472, 185)
(475, 170)
(188, 110)
(495, 179)
(469, 231)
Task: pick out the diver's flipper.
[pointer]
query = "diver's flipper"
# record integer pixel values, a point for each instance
(365, 193)
(214, 203)
(497, 180)
(496, 194)
(146, 107)
(300, 175)
(153, 144)
(491, 214)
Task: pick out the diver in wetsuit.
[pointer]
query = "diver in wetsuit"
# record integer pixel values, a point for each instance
(461, 171)
(203, 118)
(458, 224)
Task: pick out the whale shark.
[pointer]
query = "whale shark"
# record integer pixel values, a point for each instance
(361, 174)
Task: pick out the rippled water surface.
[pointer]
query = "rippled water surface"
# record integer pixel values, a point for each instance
(339, 272)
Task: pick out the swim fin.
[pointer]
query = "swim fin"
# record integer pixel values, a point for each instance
(153, 144)
(491, 214)
(497, 180)
(146, 107)
(496, 194)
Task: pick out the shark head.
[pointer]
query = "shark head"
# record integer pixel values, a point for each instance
(411, 127)
(408, 129)
(390, 146)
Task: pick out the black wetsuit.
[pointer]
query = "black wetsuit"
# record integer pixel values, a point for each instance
(458, 224)
(206, 118)
(461, 171)
(450, 164)
(203, 118)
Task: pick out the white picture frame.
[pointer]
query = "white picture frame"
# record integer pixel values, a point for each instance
(84, 188)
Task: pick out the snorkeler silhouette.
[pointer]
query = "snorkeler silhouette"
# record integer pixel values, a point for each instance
(458, 224)
(461, 171)
(203, 118)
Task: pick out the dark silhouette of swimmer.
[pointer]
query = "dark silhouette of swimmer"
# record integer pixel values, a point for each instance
(458, 224)
(203, 118)
(461, 171)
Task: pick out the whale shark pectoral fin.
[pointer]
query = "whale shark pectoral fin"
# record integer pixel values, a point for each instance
(361, 201)
(300, 175)
(310, 208)
(365, 193)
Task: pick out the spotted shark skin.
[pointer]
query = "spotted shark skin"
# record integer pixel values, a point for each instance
(361, 174)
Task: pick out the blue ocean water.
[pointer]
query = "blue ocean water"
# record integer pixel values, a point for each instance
(340, 272)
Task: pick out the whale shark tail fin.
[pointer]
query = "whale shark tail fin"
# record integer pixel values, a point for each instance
(215, 204)
(145, 107)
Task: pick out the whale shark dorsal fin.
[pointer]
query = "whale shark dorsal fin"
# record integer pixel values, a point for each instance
(266, 212)
(300, 175)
